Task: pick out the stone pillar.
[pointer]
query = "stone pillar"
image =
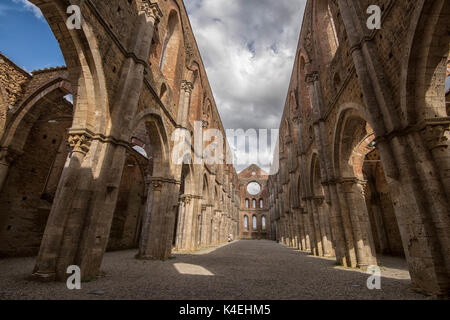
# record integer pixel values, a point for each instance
(316, 241)
(355, 205)
(325, 226)
(159, 218)
(180, 224)
(184, 103)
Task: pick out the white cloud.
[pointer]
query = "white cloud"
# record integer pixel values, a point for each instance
(248, 47)
(30, 7)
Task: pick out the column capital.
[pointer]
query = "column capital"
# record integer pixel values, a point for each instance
(151, 10)
(79, 142)
(436, 135)
(158, 182)
(187, 86)
(312, 77)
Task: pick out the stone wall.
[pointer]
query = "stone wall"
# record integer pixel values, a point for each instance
(356, 93)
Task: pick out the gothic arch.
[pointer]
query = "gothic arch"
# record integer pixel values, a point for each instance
(315, 177)
(326, 36)
(171, 51)
(26, 114)
(424, 70)
(352, 135)
(84, 65)
(151, 124)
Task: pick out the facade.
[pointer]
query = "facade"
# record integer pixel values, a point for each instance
(85, 162)
(254, 219)
(364, 158)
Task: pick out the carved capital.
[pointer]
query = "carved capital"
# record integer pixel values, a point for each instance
(187, 86)
(152, 11)
(79, 143)
(312, 77)
(436, 136)
(205, 124)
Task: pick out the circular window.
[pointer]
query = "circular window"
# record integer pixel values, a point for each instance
(253, 188)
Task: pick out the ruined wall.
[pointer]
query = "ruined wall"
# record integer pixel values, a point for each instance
(250, 209)
(356, 92)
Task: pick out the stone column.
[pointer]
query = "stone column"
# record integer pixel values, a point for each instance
(325, 226)
(180, 223)
(359, 221)
(159, 219)
(316, 241)
(184, 103)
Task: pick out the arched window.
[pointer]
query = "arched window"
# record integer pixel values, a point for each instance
(329, 41)
(254, 203)
(171, 48)
(255, 223)
(247, 203)
(261, 203)
(263, 223)
(245, 222)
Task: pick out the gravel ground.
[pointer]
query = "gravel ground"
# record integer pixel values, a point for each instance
(254, 270)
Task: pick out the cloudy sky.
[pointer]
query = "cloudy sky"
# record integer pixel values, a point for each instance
(248, 48)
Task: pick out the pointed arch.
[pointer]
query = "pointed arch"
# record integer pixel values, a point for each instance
(326, 35)
(425, 68)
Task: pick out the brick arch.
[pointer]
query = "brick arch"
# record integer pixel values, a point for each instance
(425, 68)
(84, 65)
(315, 176)
(171, 50)
(195, 107)
(151, 122)
(326, 34)
(304, 95)
(187, 179)
(352, 138)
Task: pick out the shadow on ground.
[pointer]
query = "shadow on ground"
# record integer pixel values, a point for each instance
(254, 270)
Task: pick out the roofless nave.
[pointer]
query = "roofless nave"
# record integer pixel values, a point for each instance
(364, 158)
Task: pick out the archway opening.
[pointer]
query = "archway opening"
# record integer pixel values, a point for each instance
(368, 203)
(39, 150)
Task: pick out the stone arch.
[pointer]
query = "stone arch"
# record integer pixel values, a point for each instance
(315, 177)
(347, 141)
(171, 51)
(151, 128)
(26, 114)
(303, 89)
(85, 68)
(126, 224)
(35, 144)
(425, 69)
(326, 36)
(205, 190)
(196, 97)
